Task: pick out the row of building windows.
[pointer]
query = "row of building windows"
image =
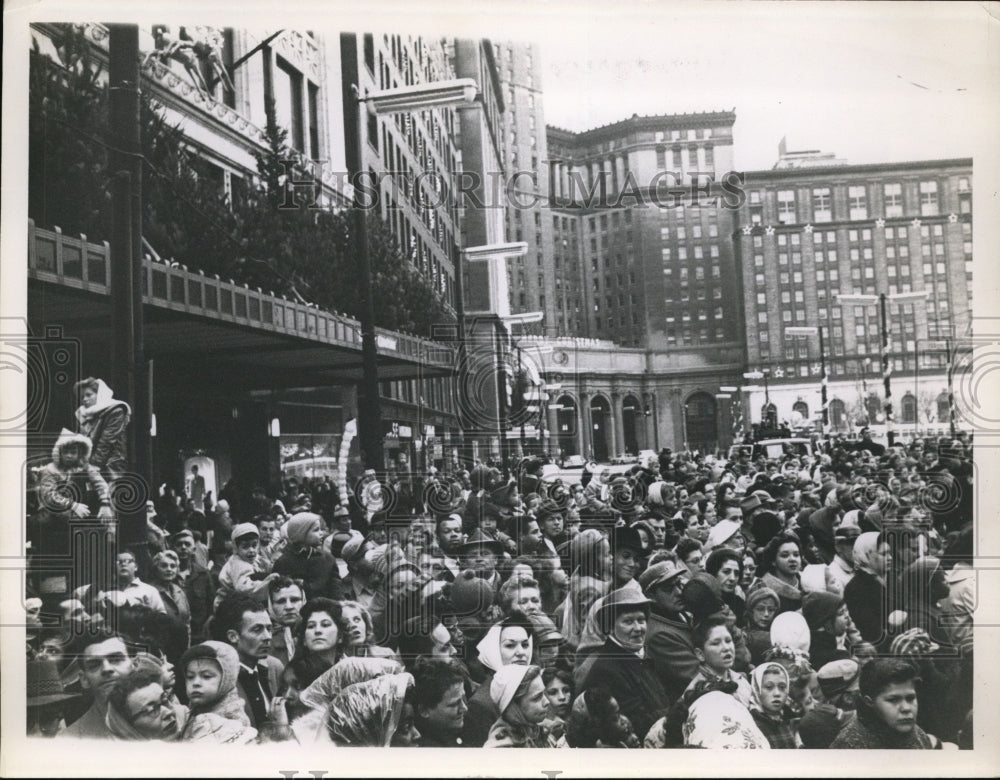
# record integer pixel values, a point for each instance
(821, 201)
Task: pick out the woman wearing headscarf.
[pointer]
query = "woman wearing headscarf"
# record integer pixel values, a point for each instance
(591, 562)
(717, 720)
(509, 642)
(140, 710)
(866, 595)
(770, 685)
(519, 696)
(369, 713)
(103, 419)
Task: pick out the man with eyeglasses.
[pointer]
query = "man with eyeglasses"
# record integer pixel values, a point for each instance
(668, 635)
(134, 590)
(103, 660)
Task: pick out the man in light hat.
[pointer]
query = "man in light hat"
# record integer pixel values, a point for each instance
(841, 569)
(341, 527)
(668, 638)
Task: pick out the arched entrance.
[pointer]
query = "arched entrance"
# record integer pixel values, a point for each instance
(838, 415)
(631, 414)
(700, 424)
(567, 426)
(801, 408)
(600, 420)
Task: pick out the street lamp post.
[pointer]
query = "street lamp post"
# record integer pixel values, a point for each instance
(764, 373)
(419, 97)
(808, 331)
(883, 301)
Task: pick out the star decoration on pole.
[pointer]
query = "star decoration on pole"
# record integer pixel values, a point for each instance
(808, 228)
(915, 223)
(779, 373)
(769, 230)
(953, 218)
(747, 230)
(880, 223)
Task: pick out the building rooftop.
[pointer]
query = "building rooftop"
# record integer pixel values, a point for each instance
(651, 121)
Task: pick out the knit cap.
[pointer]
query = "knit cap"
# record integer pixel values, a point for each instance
(300, 525)
(819, 727)
(760, 594)
(470, 594)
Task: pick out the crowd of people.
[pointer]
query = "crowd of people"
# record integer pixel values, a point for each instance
(798, 601)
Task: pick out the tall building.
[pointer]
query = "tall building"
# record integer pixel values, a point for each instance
(807, 234)
(641, 200)
(413, 154)
(534, 279)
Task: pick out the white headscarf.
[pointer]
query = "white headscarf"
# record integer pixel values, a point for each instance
(489, 648)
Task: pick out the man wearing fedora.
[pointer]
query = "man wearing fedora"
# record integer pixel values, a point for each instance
(481, 554)
(668, 636)
(46, 698)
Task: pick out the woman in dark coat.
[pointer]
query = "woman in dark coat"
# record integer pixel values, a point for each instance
(865, 594)
(619, 665)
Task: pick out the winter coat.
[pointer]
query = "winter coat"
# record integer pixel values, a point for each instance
(200, 587)
(865, 731)
(865, 597)
(671, 651)
(633, 682)
(104, 424)
(318, 571)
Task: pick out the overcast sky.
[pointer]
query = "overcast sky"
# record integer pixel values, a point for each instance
(871, 82)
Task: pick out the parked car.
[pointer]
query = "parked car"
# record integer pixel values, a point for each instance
(574, 462)
(645, 455)
(772, 448)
